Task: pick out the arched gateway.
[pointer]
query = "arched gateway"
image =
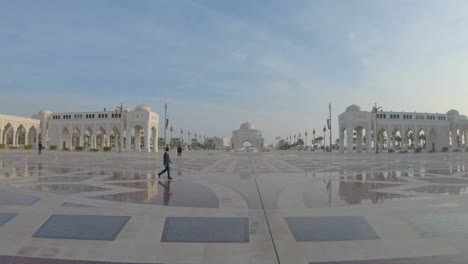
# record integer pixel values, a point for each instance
(388, 131)
(247, 137)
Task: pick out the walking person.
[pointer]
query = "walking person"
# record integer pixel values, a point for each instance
(40, 148)
(166, 161)
(179, 152)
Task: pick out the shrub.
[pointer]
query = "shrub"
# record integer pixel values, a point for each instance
(94, 150)
(431, 151)
(445, 149)
(66, 149)
(12, 147)
(2, 146)
(79, 148)
(391, 150)
(418, 150)
(456, 150)
(28, 146)
(403, 151)
(107, 149)
(53, 147)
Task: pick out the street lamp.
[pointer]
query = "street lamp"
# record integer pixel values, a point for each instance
(305, 134)
(313, 133)
(324, 139)
(120, 111)
(375, 110)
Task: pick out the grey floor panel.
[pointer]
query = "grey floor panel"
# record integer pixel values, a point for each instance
(88, 227)
(206, 229)
(330, 228)
(438, 224)
(5, 217)
(11, 198)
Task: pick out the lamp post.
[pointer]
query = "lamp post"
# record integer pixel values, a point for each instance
(375, 110)
(171, 129)
(329, 125)
(324, 139)
(305, 134)
(120, 110)
(313, 133)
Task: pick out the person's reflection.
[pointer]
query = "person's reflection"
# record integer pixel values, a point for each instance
(329, 186)
(167, 191)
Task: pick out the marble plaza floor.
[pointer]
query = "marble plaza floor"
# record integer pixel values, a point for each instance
(275, 207)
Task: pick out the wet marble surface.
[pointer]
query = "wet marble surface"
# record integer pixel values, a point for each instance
(386, 207)
(164, 192)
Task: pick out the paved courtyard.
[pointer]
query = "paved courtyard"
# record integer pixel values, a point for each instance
(276, 207)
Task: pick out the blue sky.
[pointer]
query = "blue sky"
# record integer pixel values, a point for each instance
(219, 63)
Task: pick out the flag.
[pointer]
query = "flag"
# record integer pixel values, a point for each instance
(328, 124)
(167, 122)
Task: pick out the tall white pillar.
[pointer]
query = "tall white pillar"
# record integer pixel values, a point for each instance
(368, 139)
(359, 140)
(147, 139)
(349, 139)
(128, 141)
(341, 136)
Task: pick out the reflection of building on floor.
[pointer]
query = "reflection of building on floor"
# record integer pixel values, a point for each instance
(247, 138)
(401, 130)
(131, 130)
(355, 192)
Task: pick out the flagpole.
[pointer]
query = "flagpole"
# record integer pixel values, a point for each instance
(165, 123)
(330, 126)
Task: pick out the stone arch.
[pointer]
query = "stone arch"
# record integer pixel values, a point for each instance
(88, 137)
(409, 138)
(76, 137)
(465, 137)
(20, 135)
(100, 138)
(421, 140)
(66, 138)
(382, 138)
(32, 136)
(432, 140)
(154, 139)
(247, 143)
(114, 139)
(8, 136)
(397, 138)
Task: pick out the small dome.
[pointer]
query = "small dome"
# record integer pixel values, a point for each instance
(247, 125)
(143, 107)
(353, 108)
(45, 112)
(453, 112)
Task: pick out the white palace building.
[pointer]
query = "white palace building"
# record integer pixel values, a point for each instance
(401, 131)
(125, 130)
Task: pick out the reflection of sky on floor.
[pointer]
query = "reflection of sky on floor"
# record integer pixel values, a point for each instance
(170, 193)
(341, 193)
(441, 189)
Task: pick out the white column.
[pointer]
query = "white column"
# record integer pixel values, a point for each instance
(368, 138)
(454, 138)
(349, 139)
(359, 140)
(341, 132)
(26, 137)
(128, 141)
(137, 147)
(147, 139)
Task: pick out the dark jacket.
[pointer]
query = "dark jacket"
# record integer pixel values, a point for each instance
(166, 159)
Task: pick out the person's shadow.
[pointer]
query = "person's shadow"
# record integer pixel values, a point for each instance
(167, 191)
